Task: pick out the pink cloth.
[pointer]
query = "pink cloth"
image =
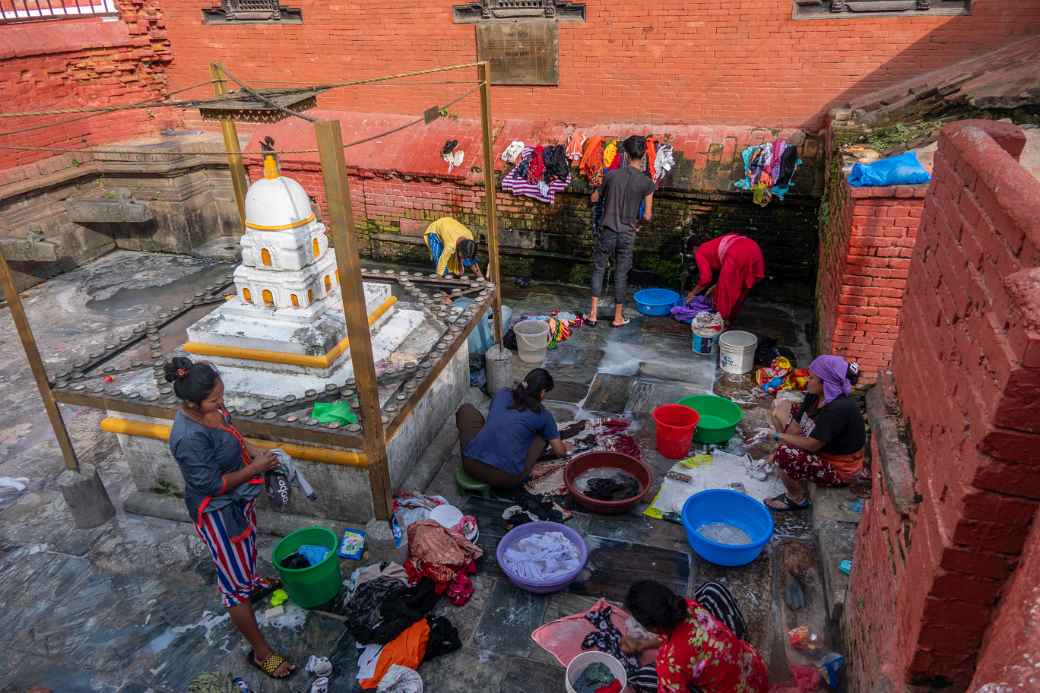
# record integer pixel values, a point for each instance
(562, 638)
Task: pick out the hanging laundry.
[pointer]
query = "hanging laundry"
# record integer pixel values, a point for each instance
(512, 153)
(536, 168)
(575, 145)
(610, 153)
(591, 165)
(664, 160)
(651, 157)
(556, 163)
(517, 181)
(768, 170)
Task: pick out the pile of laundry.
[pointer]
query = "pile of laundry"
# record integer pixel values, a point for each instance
(602, 154)
(769, 170)
(781, 375)
(388, 617)
(538, 172)
(410, 507)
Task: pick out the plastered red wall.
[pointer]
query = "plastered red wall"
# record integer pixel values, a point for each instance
(70, 63)
(745, 62)
(967, 371)
(865, 250)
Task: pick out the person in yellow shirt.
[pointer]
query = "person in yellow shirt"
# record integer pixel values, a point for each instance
(452, 247)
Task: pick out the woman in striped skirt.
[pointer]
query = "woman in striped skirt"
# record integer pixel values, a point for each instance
(223, 475)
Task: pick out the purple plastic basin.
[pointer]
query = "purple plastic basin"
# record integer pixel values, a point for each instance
(541, 587)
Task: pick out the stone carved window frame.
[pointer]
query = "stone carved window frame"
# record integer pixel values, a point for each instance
(821, 9)
(231, 12)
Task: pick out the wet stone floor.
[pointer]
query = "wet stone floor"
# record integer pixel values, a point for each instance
(132, 605)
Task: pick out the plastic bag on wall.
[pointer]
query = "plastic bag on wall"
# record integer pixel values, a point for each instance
(903, 169)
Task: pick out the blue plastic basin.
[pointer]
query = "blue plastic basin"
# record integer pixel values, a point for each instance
(656, 302)
(733, 508)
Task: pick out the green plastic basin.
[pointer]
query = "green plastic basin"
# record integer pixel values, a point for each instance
(719, 417)
(313, 586)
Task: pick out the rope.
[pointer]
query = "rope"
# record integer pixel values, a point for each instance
(193, 104)
(221, 153)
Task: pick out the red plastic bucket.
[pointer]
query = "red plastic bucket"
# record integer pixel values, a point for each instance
(675, 426)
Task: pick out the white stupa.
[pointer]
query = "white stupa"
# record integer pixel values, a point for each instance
(287, 313)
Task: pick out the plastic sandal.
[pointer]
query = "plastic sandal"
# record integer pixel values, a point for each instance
(623, 323)
(270, 665)
(789, 505)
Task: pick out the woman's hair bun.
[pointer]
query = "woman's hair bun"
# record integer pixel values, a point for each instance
(176, 369)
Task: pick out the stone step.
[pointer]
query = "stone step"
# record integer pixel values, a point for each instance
(834, 526)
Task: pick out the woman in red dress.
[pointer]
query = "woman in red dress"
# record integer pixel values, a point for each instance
(697, 650)
(737, 263)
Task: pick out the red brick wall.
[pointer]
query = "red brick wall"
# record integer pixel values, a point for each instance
(70, 63)
(967, 368)
(865, 251)
(643, 61)
(1012, 647)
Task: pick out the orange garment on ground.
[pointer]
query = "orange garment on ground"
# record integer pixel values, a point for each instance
(408, 649)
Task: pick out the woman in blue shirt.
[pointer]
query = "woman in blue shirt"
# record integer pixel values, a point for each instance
(501, 451)
(222, 474)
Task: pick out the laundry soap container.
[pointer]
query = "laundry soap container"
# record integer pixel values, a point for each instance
(737, 351)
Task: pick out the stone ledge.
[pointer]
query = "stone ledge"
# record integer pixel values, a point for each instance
(894, 455)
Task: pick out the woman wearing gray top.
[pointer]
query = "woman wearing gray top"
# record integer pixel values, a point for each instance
(222, 474)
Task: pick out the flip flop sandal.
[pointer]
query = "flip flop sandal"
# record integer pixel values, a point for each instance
(263, 592)
(623, 323)
(270, 665)
(591, 323)
(789, 505)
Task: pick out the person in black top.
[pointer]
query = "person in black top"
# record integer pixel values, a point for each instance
(823, 439)
(623, 191)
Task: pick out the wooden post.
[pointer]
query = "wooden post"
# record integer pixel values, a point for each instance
(484, 75)
(341, 224)
(21, 322)
(234, 152)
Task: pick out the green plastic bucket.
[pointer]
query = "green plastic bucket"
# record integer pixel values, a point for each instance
(313, 586)
(719, 417)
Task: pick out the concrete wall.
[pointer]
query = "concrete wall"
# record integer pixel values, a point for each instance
(646, 61)
(967, 373)
(866, 241)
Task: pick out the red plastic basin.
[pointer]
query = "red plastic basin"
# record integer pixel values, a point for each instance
(593, 460)
(675, 426)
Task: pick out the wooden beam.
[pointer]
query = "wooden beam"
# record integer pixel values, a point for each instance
(341, 223)
(239, 180)
(32, 353)
(484, 75)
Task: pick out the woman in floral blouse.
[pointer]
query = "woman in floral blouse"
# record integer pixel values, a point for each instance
(697, 651)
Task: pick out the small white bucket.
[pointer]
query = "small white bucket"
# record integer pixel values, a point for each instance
(532, 340)
(584, 660)
(737, 351)
(705, 342)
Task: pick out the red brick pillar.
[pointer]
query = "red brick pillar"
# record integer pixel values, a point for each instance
(865, 251)
(967, 371)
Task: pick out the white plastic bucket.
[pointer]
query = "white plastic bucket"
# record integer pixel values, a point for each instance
(532, 340)
(737, 351)
(585, 659)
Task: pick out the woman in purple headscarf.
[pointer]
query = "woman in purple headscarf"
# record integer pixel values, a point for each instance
(822, 439)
